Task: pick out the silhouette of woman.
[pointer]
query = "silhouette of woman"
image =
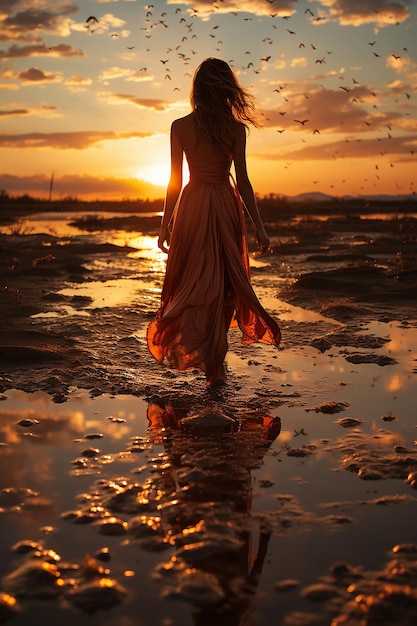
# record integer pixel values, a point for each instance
(207, 285)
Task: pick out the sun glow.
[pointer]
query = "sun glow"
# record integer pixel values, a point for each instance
(155, 174)
(159, 174)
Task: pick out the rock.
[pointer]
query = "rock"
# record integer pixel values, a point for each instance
(100, 594)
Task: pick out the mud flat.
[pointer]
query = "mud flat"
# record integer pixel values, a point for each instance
(127, 490)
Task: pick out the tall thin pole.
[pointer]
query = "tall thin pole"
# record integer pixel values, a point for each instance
(51, 184)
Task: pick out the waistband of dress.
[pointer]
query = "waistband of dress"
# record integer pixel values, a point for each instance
(214, 179)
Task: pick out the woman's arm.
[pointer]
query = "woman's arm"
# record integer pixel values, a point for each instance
(245, 188)
(173, 189)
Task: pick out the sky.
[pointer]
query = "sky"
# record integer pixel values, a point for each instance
(88, 92)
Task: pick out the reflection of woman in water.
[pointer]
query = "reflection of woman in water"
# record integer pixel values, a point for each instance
(207, 284)
(214, 566)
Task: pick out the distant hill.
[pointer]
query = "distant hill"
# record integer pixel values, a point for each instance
(318, 196)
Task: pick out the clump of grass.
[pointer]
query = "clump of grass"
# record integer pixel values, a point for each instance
(20, 227)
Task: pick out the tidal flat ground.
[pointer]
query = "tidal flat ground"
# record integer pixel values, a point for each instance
(130, 494)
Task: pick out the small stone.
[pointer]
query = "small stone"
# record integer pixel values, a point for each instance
(34, 579)
(320, 592)
(112, 526)
(26, 423)
(101, 594)
(349, 422)
(103, 554)
(265, 483)
(26, 545)
(90, 452)
(405, 548)
(388, 417)
(8, 607)
(286, 585)
(298, 452)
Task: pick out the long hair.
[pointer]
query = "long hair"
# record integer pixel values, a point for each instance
(218, 100)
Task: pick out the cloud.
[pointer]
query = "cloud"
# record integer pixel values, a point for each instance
(103, 24)
(205, 8)
(396, 148)
(36, 75)
(354, 13)
(342, 110)
(400, 63)
(25, 24)
(144, 103)
(114, 72)
(401, 91)
(75, 186)
(20, 52)
(77, 83)
(13, 112)
(80, 140)
(299, 62)
(45, 111)
(140, 76)
(9, 86)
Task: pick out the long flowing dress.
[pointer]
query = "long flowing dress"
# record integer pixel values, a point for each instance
(207, 286)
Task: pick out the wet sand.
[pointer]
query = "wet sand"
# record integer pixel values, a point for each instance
(288, 495)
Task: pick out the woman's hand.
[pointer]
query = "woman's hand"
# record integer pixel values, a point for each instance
(164, 236)
(263, 241)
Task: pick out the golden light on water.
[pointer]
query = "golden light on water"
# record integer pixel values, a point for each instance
(8, 600)
(395, 383)
(146, 244)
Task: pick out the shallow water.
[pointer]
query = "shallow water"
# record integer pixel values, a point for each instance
(40, 457)
(301, 462)
(60, 224)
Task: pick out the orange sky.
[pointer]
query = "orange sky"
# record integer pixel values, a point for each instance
(91, 102)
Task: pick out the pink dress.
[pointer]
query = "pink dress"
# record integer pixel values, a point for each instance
(207, 286)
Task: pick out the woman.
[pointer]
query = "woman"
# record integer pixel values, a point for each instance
(207, 284)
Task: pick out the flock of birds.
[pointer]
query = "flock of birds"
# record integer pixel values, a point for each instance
(188, 41)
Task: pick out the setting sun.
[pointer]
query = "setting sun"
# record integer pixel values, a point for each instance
(156, 174)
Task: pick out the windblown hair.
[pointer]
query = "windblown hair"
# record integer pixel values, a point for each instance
(218, 100)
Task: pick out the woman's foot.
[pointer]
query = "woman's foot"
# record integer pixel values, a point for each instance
(217, 379)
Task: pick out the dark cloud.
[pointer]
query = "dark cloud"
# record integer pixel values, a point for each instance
(78, 186)
(64, 141)
(23, 25)
(144, 103)
(34, 17)
(13, 112)
(36, 75)
(353, 12)
(20, 52)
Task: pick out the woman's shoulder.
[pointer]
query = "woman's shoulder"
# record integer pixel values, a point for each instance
(239, 127)
(239, 131)
(183, 121)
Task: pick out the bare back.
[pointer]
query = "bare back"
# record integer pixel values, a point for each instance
(196, 145)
